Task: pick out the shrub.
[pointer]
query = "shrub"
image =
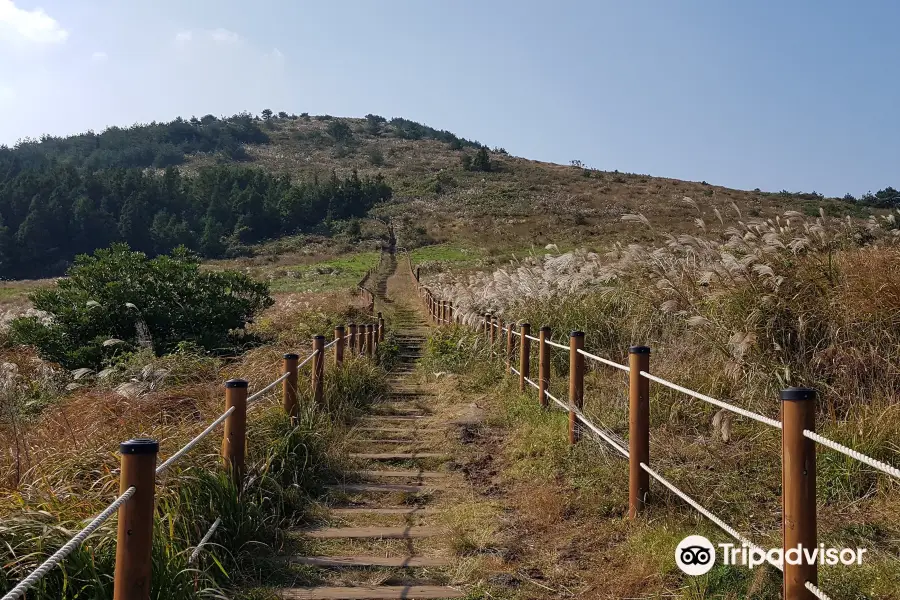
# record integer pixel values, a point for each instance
(118, 300)
(339, 130)
(376, 157)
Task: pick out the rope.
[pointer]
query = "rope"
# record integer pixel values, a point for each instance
(555, 345)
(62, 553)
(532, 338)
(876, 464)
(562, 404)
(515, 370)
(722, 525)
(817, 592)
(604, 361)
(203, 541)
(719, 403)
(589, 425)
(599, 432)
(307, 359)
(266, 389)
(532, 384)
(331, 343)
(187, 447)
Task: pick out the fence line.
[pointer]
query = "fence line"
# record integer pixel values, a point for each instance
(363, 344)
(797, 424)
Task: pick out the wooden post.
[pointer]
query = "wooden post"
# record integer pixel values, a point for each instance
(317, 377)
(380, 328)
(370, 340)
(234, 440)
(339, 345)
(289, 385)
(450, 311)
(576, 383)
(351, 342)
(524, 355)
(544, 366)
(485, 324)
(509, 346)
(798, 488)
(417, 273)
(493, 330)
(134, 538)
(638, 429)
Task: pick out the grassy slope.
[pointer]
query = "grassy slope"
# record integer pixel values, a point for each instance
(523, 200)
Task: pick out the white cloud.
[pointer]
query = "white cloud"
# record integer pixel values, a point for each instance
(218, 36)
(17, 24)
(99, 56)
(223, 36)
(276, 55)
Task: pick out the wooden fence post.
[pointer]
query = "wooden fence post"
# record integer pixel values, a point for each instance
(351, 341)
(380, 328)
(576, 383)
(317, 377)
(339, 345)
(234, 439)
(450, 311)
(509, 346)
(638, 429)
(544, 366)
(370, 340)
(134, 537)
(524, 355)
(493, 330)
(798, 485)
(289, 385)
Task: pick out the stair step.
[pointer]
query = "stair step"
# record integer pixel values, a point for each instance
(401, 473)
(397, 430)
(376, 532)
(386, 441)
(393, 417)
(357, 488)
(398, 455)
(370, 592)
(376, 510)
(372, 561)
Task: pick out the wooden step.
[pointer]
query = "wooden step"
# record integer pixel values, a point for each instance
(393, 417)
(397, 430)
(385, 441)
(398, 455)
(375, 532)
(361, 488)
(371, 561)
(370, 592)
(410, 473)
(376, 510)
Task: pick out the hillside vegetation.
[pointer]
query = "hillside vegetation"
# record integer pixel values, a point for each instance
(221, 186)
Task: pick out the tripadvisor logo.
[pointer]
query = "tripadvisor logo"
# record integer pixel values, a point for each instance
(696, 555)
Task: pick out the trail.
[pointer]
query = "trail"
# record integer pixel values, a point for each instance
(383, 538)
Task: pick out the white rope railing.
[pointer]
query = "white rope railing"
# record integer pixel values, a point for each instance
(875, 464)
(817, 592)
(532, 338)
(515, 370)
(555, 345)
(532, 384)
(562, 404)
(187, 447)
(719, 403)
(331, 343)
(722, 524)
(605, 361)
(58, 556)
(256, 395)
(196, 553)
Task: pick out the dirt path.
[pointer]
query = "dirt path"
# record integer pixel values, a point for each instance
(386, 534)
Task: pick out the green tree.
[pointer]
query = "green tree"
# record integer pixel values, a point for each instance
(266, 114)
(117, 292)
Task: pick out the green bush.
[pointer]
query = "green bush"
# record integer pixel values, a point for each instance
(119, 300)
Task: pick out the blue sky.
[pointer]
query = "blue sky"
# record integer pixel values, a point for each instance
(797, 95)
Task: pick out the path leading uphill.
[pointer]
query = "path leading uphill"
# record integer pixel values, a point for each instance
(383, 536)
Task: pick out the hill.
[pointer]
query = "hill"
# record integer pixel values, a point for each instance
(222, 186)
